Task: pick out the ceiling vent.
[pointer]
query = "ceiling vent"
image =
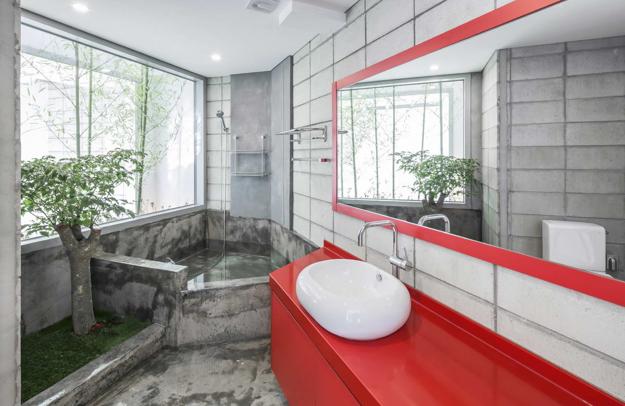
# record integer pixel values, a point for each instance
(264, 6)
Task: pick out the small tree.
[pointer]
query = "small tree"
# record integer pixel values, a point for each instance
(68, 195)
(437, 176)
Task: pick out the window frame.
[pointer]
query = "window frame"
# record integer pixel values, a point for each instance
(469, 201)
(53, 27)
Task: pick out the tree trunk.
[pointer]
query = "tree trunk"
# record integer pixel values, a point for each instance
(82, 301)
(79, 250)
(441, 201)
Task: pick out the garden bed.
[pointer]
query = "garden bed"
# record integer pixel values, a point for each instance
(55, 352)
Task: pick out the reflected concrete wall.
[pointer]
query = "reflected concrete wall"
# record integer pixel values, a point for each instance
(562, 151)
(9, 202)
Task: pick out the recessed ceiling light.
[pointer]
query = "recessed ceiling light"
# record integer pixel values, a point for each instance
(216, 57)
(80, 7)
(434, 67)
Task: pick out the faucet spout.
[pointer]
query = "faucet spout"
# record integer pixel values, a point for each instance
(394, 259)
(379, 223)
(438, 216)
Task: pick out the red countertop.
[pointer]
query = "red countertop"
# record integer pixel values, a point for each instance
(437, 357)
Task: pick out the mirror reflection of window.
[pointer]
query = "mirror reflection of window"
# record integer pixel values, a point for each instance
(384, 118)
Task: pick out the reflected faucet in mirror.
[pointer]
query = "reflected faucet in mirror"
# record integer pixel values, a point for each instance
(437, 216)
(394, 259)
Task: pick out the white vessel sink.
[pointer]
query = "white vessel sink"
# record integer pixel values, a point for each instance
(353, 299)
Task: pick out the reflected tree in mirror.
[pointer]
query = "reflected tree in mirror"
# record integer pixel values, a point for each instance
(70, 195)
(382, 118)
(437, 177)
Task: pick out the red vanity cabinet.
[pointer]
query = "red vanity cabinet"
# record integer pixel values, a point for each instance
(303, 373)
(438, 357)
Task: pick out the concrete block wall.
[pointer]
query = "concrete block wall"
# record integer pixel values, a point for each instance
(217, 144)
(566, 104)
(375, 30)
(498, 298)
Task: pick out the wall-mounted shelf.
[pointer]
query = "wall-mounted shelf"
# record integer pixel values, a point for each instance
(297, 133)
(320, 160)
(246, 166)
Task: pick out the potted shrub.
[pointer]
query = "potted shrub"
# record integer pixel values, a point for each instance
(70, 197)
(437, 176)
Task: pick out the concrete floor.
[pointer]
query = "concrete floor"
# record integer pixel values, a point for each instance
(228, 374)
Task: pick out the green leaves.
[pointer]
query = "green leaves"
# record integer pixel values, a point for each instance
(76, 191)
(437, 176)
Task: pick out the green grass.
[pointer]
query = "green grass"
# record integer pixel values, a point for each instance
(53, 353)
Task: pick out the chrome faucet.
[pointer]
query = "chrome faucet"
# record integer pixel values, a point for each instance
(394, 259)
(431, 217)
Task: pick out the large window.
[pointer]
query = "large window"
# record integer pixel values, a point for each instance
(380, 120)
(78, 100)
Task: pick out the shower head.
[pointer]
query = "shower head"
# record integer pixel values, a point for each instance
(220, 114)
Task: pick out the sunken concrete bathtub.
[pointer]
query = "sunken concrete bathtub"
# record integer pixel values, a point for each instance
(219, 293)
(194, 287)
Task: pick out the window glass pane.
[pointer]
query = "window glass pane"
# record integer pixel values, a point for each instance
(387, 119)
(77, 100)
(384, 133)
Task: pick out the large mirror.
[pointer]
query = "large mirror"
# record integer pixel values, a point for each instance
(514, 137)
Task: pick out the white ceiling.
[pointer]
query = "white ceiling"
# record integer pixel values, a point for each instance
(186, 33)
(571, 20)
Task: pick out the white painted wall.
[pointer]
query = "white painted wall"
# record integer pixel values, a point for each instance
(577, 332)
(9, 203)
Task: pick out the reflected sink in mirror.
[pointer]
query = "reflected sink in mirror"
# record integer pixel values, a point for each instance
(353, 299)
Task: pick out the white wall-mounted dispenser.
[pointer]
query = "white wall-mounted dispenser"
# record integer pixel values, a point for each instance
(576, 244)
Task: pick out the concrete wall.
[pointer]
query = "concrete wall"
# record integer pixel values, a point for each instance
(281, 120)
(575, 331)
(46, 293)
(463, 222)
(566, 104)
(225, 311)
(251, 129)
(241, 234)
(265, 110)
(254, 236)
(9, 202)
(148, 290)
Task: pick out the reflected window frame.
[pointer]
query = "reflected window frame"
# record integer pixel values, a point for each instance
(471, 136)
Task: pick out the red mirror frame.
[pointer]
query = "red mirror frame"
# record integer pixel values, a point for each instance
(600, 287)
